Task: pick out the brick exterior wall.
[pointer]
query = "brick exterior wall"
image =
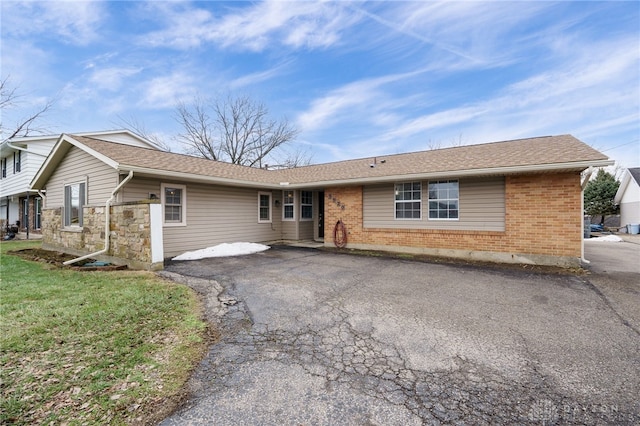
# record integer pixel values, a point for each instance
(130, 234)
(543, 225)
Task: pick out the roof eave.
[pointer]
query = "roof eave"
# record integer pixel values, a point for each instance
(190, 177)
(536, 168)
(53, 159)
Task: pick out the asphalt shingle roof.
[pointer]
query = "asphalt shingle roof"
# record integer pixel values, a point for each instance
(547, 150)
(635, 173)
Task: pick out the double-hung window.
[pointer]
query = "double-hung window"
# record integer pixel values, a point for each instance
(17, 159)
(288, 200)
(408, 200)
(306, 205)
(174, 203)
(444, 200)
(74, 200)
(38, 213)
(264, 207)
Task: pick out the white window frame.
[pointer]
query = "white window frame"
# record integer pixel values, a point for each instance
(430, 200)
(292, 204)
(37, 213)
(396, 201)
(17, 162)
(302, 205)
(67, 208)
(268, 194)
(183, 205)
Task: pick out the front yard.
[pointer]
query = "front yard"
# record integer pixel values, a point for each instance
(92, 347)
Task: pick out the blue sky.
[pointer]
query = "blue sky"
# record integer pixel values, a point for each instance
(356, 78)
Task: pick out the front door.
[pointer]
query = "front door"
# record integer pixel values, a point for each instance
(321, 214)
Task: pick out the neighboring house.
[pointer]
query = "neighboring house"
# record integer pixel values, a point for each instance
(20, 159)
(628, 197)
(480, 202)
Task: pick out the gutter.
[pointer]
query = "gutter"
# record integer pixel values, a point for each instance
(107, 207)
(583, 185)
(19, 148)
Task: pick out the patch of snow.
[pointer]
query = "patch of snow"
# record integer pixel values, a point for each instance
(606, 238)
(223, 250)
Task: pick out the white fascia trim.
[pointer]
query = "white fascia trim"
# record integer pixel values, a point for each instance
(461, 173)
(623, 187)
(64, 138)
(108, 161)
(115, 132)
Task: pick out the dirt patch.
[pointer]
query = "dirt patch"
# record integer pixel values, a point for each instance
(57, 259)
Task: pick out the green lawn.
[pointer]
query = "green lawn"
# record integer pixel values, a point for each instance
(92, 347)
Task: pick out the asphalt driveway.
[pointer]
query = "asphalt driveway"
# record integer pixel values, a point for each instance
(310, 337)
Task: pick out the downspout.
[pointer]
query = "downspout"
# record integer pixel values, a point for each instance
(26, 215)
(107, 230)
(583, 185)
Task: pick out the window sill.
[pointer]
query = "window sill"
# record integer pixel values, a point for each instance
(76, 229)
(173, 225)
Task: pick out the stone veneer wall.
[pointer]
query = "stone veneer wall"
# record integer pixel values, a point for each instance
(130, 234)
(543, 225)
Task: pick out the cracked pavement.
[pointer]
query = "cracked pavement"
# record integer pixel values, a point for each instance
(312, 337)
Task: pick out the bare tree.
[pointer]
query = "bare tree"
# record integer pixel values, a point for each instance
(26, 126)
(292, 159)
(139, 128)
(433, 145)
(233, 129)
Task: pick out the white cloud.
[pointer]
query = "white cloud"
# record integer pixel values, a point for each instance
(257, 77)
(112, 78)
(590, 85)
(342, 103)
(164, 91)
(76, 22)
(255, 27)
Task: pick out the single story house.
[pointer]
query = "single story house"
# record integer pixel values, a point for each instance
(513, 201)
(20, 158)
(628, 198)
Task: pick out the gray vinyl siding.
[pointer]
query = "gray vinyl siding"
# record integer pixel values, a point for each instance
(481, 207)
(289, 229)
(215, 215)
(139, 189)
(78, 166)
(306, 230)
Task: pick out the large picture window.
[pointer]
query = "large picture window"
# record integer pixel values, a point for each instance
(443, 200)
(264, 207)
(306, 205)
(174, 203)
(74, 200)
(408, 200)
(288, 201)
